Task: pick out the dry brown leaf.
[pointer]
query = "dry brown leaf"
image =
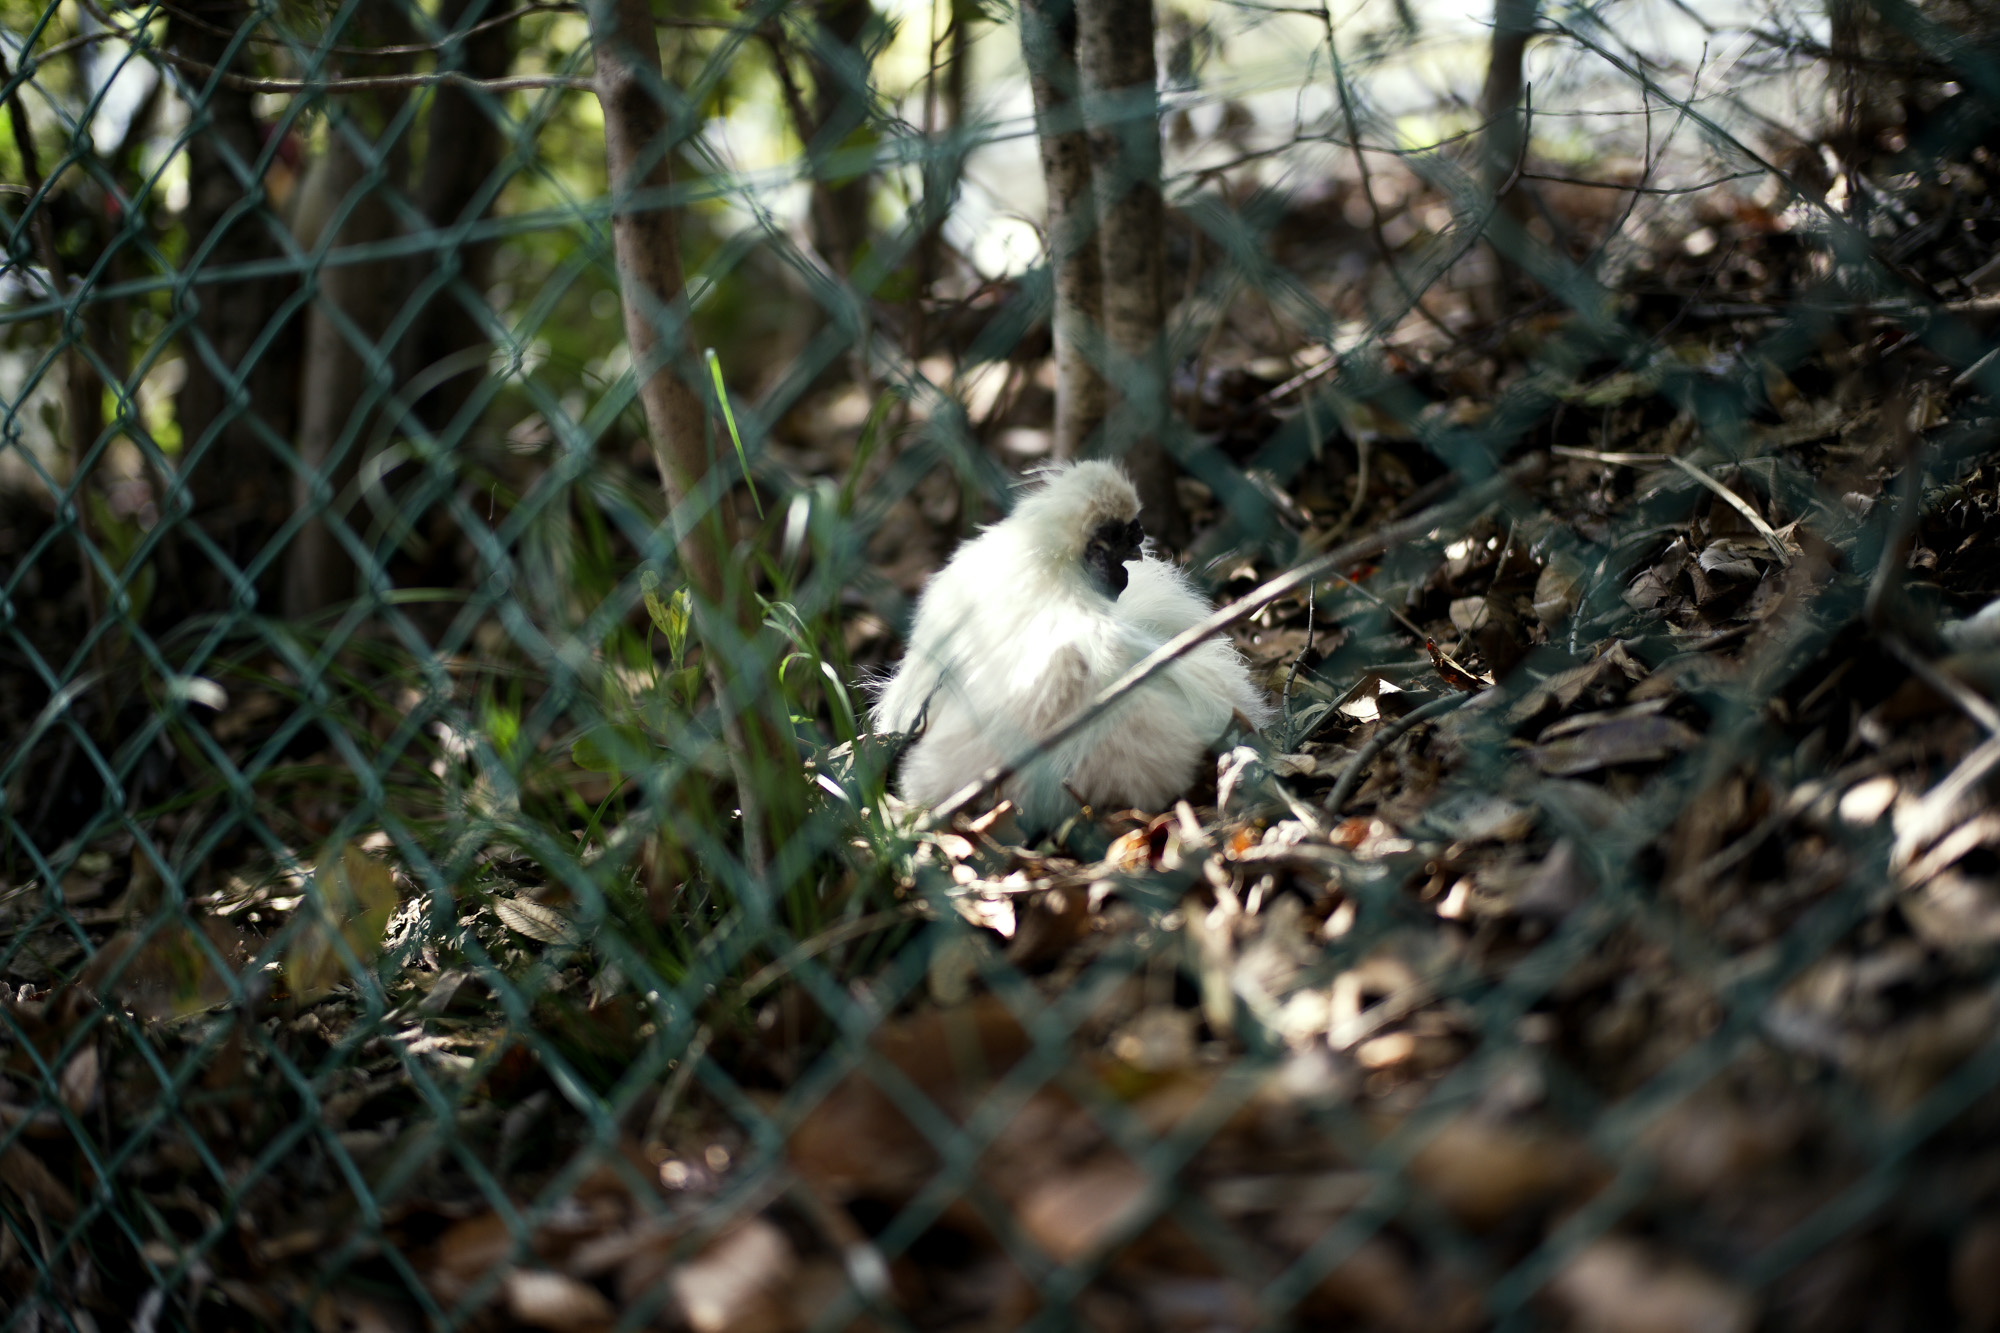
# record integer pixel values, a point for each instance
(1709, 1144)
(80, 1079)
(556, 1301)
(737, 1284)
(1075, 1213)
(166, 972)
(857, 1142)
(29, 1177)
(1558, 589)
(1560, 691)
(1482, 816)
(537, 921)
(1053, 920)
(1974, 1261)
(1621, 1286)
(1363, 700)
(1733, 557)
(468, 1251)
(1130, 850)
(1468, 614)
(1161, 1038)
(1627, 740)
(993, 912)
(953, 846)
(1656, 584)
(1375, 1283)
(1486, 1171)
(1954, 912)
(351, 899)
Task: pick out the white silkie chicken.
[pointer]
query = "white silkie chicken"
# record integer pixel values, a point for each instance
(1025, 624)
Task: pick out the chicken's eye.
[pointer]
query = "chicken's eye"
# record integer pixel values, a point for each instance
(1104, 558)
(1120, 540)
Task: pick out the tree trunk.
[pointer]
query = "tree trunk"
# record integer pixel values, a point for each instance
(342, 388)
(944, 165)
(958, 65)
(638, 139)
(233, 403)
(1502, 143)
(83, 393)
(840, 204)
(442, 358)
(1121, 103)
(1048, 41)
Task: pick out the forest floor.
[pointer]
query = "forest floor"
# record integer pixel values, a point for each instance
(1605, 936)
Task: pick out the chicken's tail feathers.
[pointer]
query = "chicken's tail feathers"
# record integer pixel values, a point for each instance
(902, 700)
(874, 681)
(1215, 682)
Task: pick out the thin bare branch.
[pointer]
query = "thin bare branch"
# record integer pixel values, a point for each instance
(143, 45)
(399, 49)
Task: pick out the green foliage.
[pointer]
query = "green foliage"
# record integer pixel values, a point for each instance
(501, 726)
(729, 419)
(118, 539)
(669, 617)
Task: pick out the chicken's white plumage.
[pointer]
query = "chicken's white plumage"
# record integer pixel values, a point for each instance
(1017, 633)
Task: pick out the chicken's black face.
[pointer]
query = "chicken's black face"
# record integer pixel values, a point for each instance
(1104, 556)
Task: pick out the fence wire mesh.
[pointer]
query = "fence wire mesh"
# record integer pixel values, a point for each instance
(462, 465)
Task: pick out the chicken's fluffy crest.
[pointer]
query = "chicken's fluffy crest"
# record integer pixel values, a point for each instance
(1013, 636)
(1060, 516)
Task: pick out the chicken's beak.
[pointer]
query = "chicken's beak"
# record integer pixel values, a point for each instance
(1110, 548)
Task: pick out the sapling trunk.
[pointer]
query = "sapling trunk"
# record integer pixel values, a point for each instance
(1048, 41)
(840, 206)
(1503, 141)
(367, 155)
(240, 487)
(638, 138)
(1121, 105)
(443, 357)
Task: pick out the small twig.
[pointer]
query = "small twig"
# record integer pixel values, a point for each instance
(1279, 393)
(143, 46)
(182, 15)
(1285, 699)
(1521, 150)
(1971, 372)
(1842, 227)
(772, 973)
(1345, 1034)
(1661, 191)
(1367, 186)
(1403, 620)
(670, 1096)
(1735, 501)
(1975, 706)
(1361, 452)
(1601, 456)
(1395, 534)
(1741, 506)
(1927, 821)
(1648, 163)
(1891, 564)
(1350, 776)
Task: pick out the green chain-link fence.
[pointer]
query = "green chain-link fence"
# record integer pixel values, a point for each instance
(443, 885)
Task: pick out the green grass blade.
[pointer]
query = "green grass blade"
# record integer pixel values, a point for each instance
(729, 419)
